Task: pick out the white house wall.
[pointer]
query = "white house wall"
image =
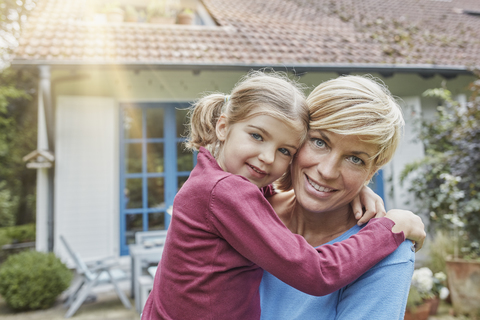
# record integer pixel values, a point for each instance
(86, 182)
(409, 150)
(87, 133)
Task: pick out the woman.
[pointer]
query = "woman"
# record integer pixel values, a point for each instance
(355, 127)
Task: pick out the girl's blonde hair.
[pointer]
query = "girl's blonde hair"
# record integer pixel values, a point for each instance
(258, 93)
(360, 106)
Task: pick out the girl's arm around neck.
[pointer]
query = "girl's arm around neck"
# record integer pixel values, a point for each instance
(241, 215)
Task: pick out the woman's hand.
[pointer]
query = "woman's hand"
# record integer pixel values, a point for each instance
(367, 205)
(411, 225)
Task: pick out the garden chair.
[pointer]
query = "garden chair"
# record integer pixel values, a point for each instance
(90, 276)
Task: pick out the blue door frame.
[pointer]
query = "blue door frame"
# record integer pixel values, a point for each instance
(377, 185)
(153, 165)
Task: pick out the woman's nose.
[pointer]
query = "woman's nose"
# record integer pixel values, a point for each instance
(329, 167)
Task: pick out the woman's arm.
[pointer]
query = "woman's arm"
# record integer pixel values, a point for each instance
(386, 285)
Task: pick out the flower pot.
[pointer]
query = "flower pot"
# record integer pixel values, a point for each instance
(464, 285)
(162, 20)
(185, 18)
(421, 312)
(434, 303)
(115, 15)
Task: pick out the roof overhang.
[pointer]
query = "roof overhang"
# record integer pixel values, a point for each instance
(424, 70)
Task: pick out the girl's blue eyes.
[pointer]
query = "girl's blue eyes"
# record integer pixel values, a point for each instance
(256, 136)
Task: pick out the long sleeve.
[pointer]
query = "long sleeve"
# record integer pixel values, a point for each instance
(254, 230)
(382, 292)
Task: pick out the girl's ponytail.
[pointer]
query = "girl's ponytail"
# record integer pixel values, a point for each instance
(203, 117)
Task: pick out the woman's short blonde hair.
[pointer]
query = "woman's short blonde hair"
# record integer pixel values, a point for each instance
(360, 106)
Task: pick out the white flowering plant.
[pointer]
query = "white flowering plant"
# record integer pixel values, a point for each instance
(430, 285)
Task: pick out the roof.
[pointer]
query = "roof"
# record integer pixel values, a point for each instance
(409, 33)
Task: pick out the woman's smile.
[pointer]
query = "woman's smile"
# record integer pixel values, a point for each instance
(318, 187)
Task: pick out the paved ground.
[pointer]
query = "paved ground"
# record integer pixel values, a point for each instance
(109, 307)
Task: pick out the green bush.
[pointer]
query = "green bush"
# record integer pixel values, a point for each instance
(17, 234)
(33, 280)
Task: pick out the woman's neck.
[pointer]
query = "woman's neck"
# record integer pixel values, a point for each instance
(316, 227)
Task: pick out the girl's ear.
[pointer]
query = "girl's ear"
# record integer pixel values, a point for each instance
(221, 127)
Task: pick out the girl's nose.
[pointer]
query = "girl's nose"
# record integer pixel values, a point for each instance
(267, 156)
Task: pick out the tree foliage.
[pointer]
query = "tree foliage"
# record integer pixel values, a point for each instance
(446, 182)
(18, 127)
(17, 121)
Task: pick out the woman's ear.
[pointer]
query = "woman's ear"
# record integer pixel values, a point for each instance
(221, 127)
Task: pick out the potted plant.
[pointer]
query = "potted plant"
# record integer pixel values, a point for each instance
(131, 14)
(162, 11)
(186, 16)
(417, 308)
(113, 12)
(447, 184)
(425, 293)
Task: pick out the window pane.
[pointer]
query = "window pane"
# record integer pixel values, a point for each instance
(133, 223)
(181, 181)
(154, 122)
(156, 221)
(182, 122)
(184, 158)
(132, 123)
(133, 157)
(155, 157)
(156, 193)
(133, 193)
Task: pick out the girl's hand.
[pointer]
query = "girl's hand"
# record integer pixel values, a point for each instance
(367, 205)
(411, 225)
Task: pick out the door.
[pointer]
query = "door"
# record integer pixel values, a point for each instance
(153, 166)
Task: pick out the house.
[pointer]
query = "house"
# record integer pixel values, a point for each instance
(113, 93)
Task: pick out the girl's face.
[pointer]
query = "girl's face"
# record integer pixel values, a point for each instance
(330, 169)
(259, 148)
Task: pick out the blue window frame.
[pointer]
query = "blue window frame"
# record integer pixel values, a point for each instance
(377, 185)
(153, 165)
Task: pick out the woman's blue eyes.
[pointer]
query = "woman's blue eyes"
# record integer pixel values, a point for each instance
(356, 160)
(319, 142)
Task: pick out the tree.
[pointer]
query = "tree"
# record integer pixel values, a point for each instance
(18, 122)
(18, 126)
(447, 180)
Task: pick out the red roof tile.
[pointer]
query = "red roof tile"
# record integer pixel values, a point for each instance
(291, 32)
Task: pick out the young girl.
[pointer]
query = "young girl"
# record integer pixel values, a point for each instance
(223, 231)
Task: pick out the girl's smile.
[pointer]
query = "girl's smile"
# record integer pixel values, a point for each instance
(259, 148)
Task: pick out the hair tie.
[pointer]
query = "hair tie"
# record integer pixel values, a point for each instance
(226, 98)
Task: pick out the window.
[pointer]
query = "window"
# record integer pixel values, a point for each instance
(153, 166)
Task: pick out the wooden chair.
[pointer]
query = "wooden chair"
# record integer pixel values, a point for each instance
(101, 272)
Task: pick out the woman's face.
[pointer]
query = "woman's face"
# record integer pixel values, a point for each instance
(330, 169)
